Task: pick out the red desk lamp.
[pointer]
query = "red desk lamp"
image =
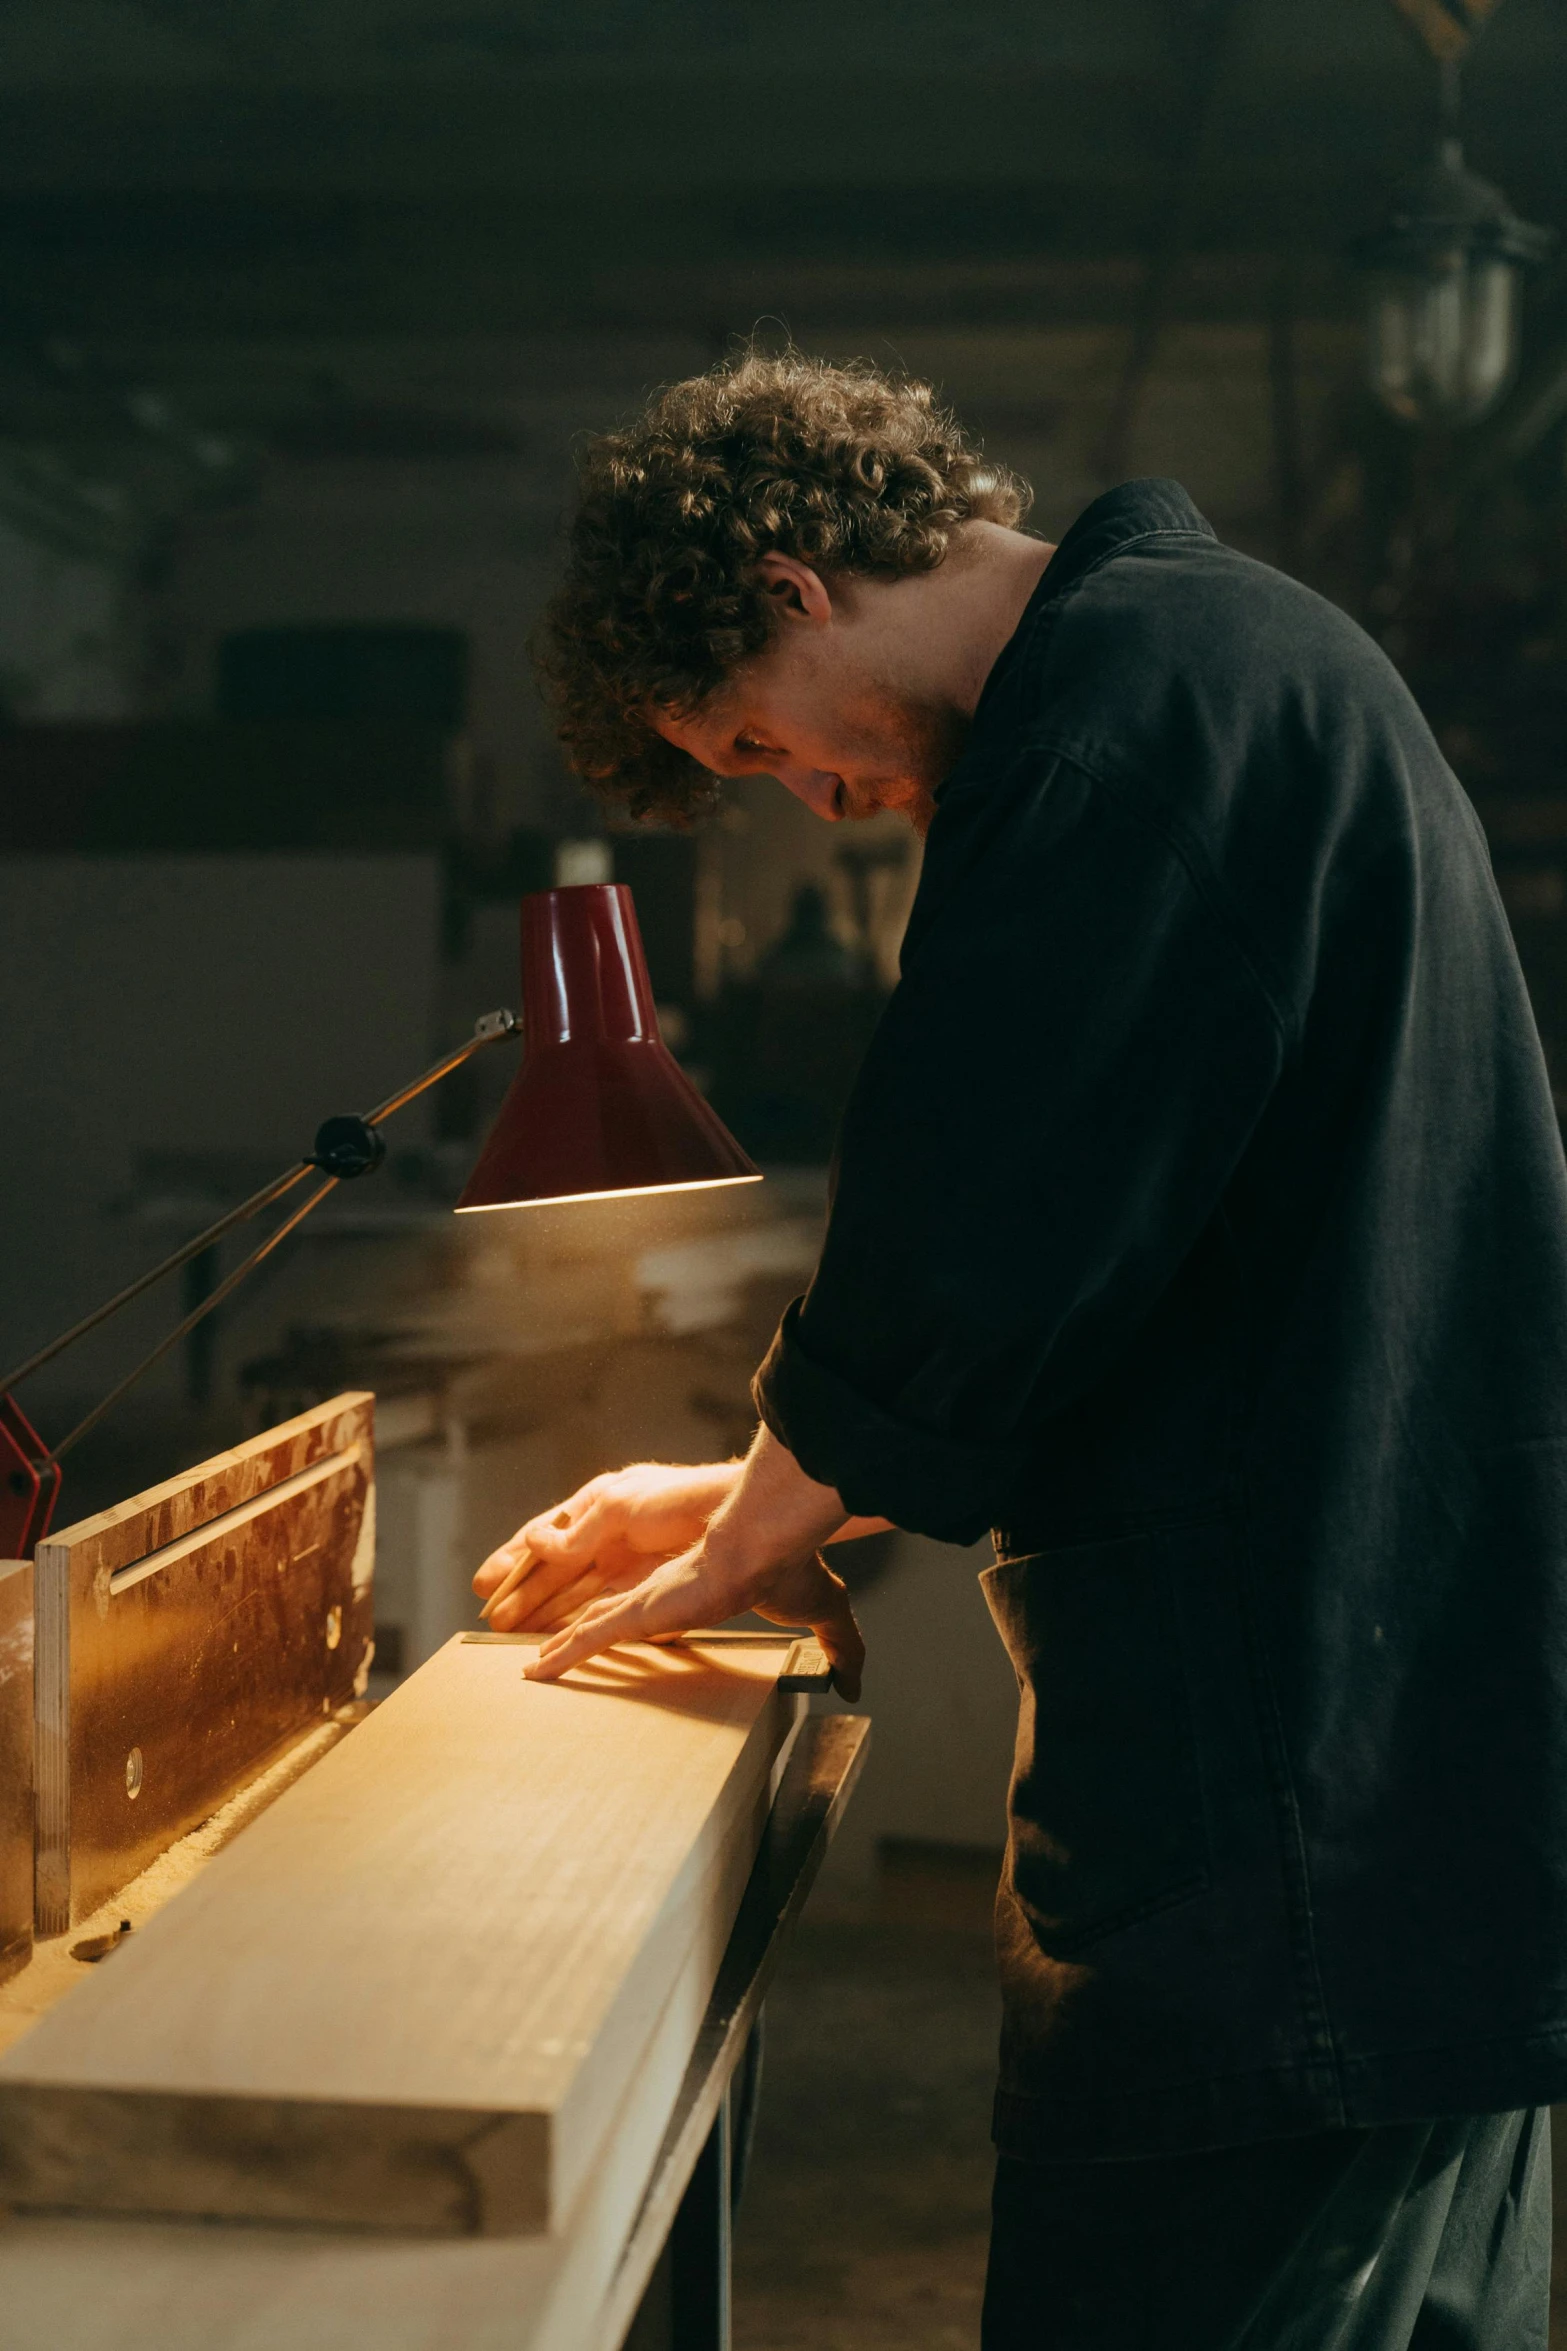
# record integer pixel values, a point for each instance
(599, 1105)
(598, 1109)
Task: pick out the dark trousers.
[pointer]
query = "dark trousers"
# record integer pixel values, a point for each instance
(1430, 2236)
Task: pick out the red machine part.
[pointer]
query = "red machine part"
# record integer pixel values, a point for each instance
(29, 1483)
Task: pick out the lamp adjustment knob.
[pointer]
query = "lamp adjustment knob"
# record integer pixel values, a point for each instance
(347, 1147)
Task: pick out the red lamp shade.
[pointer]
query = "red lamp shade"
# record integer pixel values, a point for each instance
(599, 1105)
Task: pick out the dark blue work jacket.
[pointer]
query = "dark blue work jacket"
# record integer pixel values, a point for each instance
(1200, 1225)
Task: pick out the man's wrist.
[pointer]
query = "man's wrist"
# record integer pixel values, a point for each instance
(718, 1480)
(731, 1553)
(751, 1541)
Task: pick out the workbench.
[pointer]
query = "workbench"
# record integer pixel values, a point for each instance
(433, 2035)
(644, 2261)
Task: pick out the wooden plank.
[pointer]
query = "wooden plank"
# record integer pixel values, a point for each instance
(128, 2286)
(189, 1633)
(412, 1994)
(16, 1765)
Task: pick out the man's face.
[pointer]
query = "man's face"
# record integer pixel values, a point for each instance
(823, 707)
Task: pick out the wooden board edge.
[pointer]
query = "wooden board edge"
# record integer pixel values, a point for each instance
(333, 2164)
(17, 1740)
(827, 1761)
(705, 1897)
(51, 1742)
(84, 1531)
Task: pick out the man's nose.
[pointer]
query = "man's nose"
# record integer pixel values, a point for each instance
(816, 786)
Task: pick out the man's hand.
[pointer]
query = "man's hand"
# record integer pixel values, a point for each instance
(759, 1551)
(609, 1535)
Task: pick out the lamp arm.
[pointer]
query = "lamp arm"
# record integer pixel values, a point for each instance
(344, 1148)
(491, 1028)
(214, 1298)
(171, 1264)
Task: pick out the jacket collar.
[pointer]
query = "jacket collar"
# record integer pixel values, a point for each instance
(1117, 520)
(1114, 522)
(1136, 510)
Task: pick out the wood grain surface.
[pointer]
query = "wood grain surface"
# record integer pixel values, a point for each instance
(189, 1633)
(16, 1765)
(412, 1995)
(101, 2285)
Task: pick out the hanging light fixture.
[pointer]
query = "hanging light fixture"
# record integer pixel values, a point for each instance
(1442, 316)
(1444, 274)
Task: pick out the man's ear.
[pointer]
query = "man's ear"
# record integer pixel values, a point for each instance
(794, 590)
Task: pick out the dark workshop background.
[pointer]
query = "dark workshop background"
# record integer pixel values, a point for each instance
(302, 306)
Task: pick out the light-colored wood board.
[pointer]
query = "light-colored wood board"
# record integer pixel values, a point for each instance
(126, 2286)
(16, 1765)
(186, 1635)
(411, 1994)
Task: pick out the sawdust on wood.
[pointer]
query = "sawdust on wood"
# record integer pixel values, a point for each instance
(52, 1971)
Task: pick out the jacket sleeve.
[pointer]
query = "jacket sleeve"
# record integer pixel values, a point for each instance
(1049, 1114)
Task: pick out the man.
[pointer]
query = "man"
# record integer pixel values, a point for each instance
(1200, 1226)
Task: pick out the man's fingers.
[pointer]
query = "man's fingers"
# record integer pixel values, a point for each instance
(599, 1627)
(549, 1557)
(522, 1563)
(552, 1532)
(547, 1536)
(489, 1577)
(844, 1643)
(539, 1590)
(628, 1514)
(808, 1592)
(533, 1611)
(531, 1587)
(540, 1540)
(675, 1598)
(556, 1591)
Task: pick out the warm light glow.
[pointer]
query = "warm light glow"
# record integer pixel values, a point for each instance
(625, 1192)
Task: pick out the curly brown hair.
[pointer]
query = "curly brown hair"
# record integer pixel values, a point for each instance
(846, 468)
